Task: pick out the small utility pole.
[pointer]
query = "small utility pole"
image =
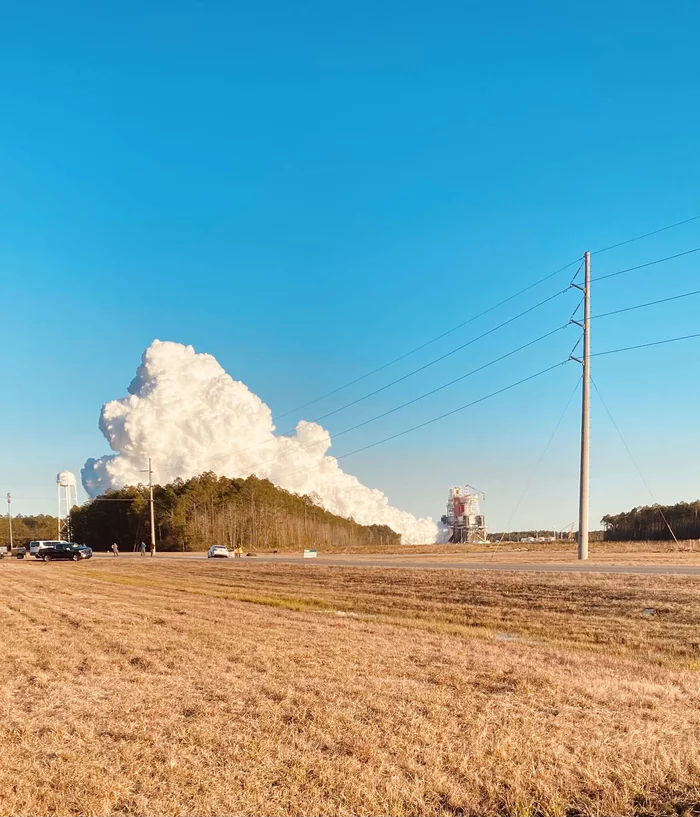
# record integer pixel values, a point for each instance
(150, 502)
(9, 517)
(585, 413)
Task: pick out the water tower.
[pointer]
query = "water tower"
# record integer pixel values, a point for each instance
(67, 487)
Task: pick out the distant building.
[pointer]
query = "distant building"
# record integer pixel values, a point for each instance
(464, 518)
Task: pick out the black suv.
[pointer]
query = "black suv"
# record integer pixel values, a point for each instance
(65, 550)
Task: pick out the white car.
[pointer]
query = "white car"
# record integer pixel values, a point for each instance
(37, 547)
(217, 552)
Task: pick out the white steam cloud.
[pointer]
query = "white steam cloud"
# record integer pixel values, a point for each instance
(190, 416)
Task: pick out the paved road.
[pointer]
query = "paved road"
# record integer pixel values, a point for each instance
(552, 567)
(435, 563)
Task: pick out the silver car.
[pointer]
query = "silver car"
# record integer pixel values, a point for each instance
(217, 552)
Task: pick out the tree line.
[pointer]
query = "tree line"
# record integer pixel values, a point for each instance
(196, 513)
(26, 529)
(560, 536)
(649, 522)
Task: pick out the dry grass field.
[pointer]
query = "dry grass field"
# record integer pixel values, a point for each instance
(147, 687)
(561, 548)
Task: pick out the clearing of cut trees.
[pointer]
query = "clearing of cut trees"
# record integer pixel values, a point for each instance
(173, 687)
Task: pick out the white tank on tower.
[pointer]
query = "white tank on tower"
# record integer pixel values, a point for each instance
(66, 479)
(67, 487)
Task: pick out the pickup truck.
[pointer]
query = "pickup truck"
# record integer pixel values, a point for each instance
(48, 551)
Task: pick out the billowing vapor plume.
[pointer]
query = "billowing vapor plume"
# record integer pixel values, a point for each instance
(186, 413)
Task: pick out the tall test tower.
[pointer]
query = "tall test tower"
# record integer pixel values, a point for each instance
(464, 518)
(67, 488)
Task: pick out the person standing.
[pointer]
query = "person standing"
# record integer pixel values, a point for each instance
(115, 549)
(142, 548)
(153, 549)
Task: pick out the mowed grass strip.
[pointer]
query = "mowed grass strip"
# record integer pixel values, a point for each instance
(654, 618)
(125, 695)
(564, 548)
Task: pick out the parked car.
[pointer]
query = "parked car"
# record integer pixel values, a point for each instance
(37, 547)
(65, 550)
(217, 552)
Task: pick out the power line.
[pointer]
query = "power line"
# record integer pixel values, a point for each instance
(459, 348)
(456, 380)
(439, 417)
(404, 377)
(576, 345)
(442, 357)
(646, 235)
(644, 345)
(422, 396)
(634, 462)
(474, 371)
(643, 266)
(649, 303)
(115, 499)
(481, 314)
(431, 341)
(536, 468)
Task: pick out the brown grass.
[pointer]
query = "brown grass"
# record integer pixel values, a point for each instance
(175, 688)
(517, 556)
(563, 547)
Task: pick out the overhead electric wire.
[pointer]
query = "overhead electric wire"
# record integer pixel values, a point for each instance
(406, 376)
(464, 323)
(645, 235)
(442, 357)
(648, 303)
(115, 499)
(431, 340)
(422, 396)
(485, 312)
(573, 314)
(643, 266)
(576, 345)
(634, 462)
(493, 394)
(452, 382)
(435, 419)
(536, 468)
(644, 345)
(490, 331)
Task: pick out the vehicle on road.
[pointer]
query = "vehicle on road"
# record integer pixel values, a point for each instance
(217, 552)
(39, 545)
(65, 550)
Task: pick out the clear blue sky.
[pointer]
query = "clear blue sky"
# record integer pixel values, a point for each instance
(308, 190)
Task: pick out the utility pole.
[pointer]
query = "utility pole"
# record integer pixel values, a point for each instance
(9, 517)
(150, 502)
(585, 409)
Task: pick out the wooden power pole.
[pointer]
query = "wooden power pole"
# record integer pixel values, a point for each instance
(585, 362)
(585, 414)
(150, 502)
